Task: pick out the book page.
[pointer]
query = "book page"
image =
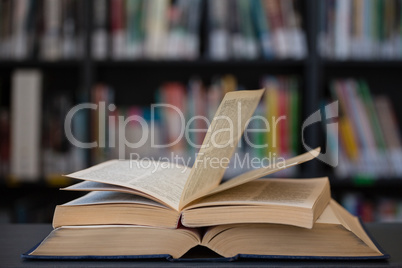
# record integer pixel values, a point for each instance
(328, 216)
(162, 180)
(220, 142)
(352, 224)
(282, 192)
(94, 198)
(100, 186)
(261, 172)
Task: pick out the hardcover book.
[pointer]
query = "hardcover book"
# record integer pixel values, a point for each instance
(336, 235)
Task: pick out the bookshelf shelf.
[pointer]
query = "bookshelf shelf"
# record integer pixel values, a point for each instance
(33, 186)
(384, 184)
(12, 64)
(58, 182)
(199, 63)
(366, 64)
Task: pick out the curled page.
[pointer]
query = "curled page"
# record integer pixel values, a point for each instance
(220, 143)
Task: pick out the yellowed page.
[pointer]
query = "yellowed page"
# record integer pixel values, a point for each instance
(162, 180)
(352, 223)
(220, 143)
(328, 216)
(106, 197)
(98, 186)
(282, 192)
(261, 172)
(117, 240)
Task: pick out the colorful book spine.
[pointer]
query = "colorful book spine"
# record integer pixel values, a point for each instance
(271, 101)
(368, 132)
(360, 29)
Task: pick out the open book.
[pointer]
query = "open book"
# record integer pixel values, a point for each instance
(159, 193)
(336, 234)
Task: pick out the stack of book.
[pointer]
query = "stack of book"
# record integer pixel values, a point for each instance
(50, 30)
(360, 29)
(370, 144)
(150, 209)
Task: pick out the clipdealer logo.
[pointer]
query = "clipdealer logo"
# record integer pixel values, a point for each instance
(331, 156)
(183, 130)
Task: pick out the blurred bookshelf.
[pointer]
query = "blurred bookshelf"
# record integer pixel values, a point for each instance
(113, 44)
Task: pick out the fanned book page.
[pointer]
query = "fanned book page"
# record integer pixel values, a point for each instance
(163, 180)
(220, 142)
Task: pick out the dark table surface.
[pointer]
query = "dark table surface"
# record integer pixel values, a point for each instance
(19, 238)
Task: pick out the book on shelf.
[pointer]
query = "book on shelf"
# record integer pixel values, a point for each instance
(117, 29)
(103, 96)
(360, 29)
(258, 28)
(160, 29)
(296, 214)
(149, 29)
(49, 30)
(281, 112)
(99, 36)
(370, 143)
(369, 209)
(390, 128)
(26, 99)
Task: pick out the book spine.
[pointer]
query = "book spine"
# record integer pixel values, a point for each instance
(20, 34)
(133, 29)
(294, 107)
(100, 31)
(262, 28)
(51, 40)
(250, 50)
(282, 119)
(272, 100)
(194, 9)
(348, 136)
(218, 39)
(118, 34)
(276, 23)
(360, 29)
(25, 125)
(156, 28)
(68, 30)
(342, 25)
